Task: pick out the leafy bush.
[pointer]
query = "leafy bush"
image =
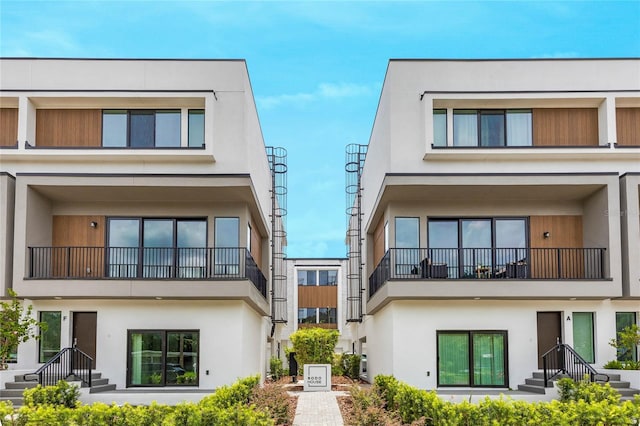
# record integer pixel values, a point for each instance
(229, 396)
(62, 394)
(314, 346)
(275, 368)
(626, 343)
(273, 400)
(587, 391)
(337, 367)
(351, 364)
(587, 404)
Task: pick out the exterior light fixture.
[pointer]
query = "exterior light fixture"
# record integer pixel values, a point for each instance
(546, 234)
(93, 224)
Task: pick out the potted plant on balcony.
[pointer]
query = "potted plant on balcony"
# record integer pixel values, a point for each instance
(16, 326)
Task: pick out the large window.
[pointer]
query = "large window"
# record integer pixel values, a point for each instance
(144, 128)
(321, 277)
(227, 241)
(583, 341)
(623, 320)
(157, 248)
(407, 244)
(163, 357)
(479, 248)
(49, 343)
(318, 315)
(472, 358)
(490, 128)
(196, 128)
(439, 127)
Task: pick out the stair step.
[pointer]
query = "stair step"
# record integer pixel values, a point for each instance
(11, 393)
(98, 382)
(535, 382)
(102, 388)
(618, 384)
(17, 402)
(532, 389)
(628, 391)
(20, 385)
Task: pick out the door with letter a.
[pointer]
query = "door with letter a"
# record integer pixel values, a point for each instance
(84, 332)
(549, 332)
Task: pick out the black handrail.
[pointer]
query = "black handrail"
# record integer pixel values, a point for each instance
(519, 263)
(176, 263)
(562, 359)
(69, 362)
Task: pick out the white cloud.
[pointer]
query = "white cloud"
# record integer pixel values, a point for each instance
(323, 91)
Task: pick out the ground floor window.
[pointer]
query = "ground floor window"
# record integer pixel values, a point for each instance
(583, 341)
(318, 315)
(162, 358)
(472, 358)
(49, 342)
(623, 320)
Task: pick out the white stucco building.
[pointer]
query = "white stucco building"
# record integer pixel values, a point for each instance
(499, 208)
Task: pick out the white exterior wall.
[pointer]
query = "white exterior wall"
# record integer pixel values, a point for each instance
(405, 176)
(231, 334)
(401, 338)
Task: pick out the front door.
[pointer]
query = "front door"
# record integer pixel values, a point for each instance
(549, 332)
(84, 333)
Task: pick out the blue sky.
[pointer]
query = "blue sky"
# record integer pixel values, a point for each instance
(317, 67)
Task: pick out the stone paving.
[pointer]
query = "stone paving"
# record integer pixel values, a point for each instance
(318, 409)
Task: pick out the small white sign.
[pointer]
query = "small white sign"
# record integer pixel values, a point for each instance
(317, 377)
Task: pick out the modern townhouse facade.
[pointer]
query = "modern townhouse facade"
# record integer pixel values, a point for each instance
(498, 202)
(317, 293)
(137, 216)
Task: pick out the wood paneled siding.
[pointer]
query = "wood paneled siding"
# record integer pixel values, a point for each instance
(69, 128)
(565, 127)
(256, 244)
(8, 126)
(378, 242)
(318, 296)
(628, 126)
(76, 231)
(564, 232)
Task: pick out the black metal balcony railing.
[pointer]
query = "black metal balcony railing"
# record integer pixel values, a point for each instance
(174, 263)
(488, 264)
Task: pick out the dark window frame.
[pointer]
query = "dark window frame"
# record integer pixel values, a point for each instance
(479, 112)
(40, 340)
(634, 355)
(493, 220)
(143, 111)
(164, 333)
(470, 333)
(141, 246)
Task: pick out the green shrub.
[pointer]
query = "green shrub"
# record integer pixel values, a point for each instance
(274, 401)
(368, 409)
(228, 396)
(313, 346)
(275, 368)
(387, 388)
(351, 364)
(337, 367)
(62, 394)
(587, 391)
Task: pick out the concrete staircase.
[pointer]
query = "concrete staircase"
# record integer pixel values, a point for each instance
(535, 384)
(13, 390)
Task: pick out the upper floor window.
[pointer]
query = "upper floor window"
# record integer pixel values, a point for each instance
(488, 128)
(439, 127)
(312, 277)
(141, 128)
(196, 128)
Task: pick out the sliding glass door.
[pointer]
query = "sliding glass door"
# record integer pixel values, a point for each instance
(472, 358)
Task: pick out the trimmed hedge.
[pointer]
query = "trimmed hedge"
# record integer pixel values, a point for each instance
(228, 406)
(588, 404)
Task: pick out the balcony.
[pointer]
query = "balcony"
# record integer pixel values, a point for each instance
(488, 264)
(148, 263)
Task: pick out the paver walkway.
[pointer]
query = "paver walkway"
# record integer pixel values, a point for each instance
(318, 409)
